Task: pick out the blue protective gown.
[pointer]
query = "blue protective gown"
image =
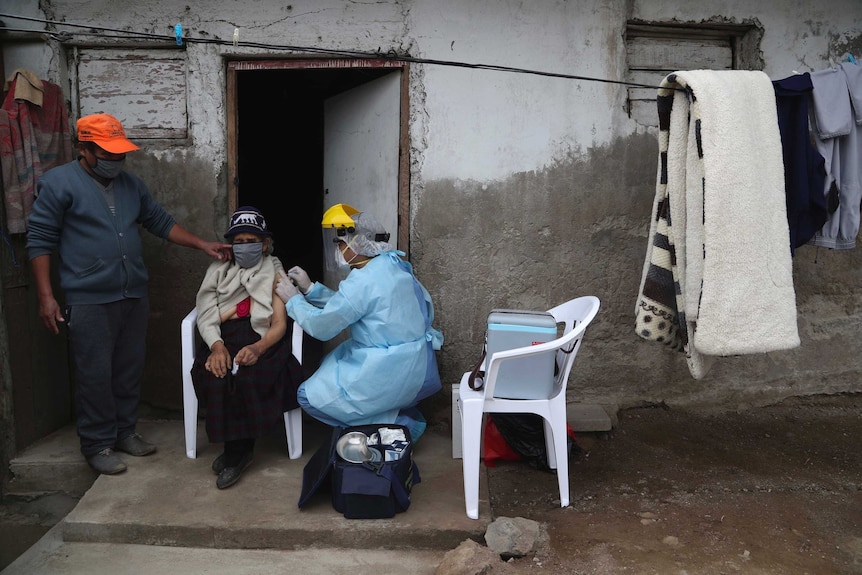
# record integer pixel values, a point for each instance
(387, 363)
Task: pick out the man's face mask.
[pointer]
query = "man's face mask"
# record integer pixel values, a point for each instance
(248, 255)
(108, 169)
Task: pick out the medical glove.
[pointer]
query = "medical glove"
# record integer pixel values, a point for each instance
(285, 288)
(300, 278)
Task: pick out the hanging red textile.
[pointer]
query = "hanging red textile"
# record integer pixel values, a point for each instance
(34, 137)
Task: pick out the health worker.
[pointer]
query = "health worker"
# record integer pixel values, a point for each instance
(387, 364)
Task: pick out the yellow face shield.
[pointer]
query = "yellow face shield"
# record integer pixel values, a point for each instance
(338, 224)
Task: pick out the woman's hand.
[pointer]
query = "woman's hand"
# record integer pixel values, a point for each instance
(247, 355)
(219, 362)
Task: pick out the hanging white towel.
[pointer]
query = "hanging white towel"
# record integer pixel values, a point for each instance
(724, 182)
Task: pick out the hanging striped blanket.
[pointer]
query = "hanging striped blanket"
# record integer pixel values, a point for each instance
(717, 278)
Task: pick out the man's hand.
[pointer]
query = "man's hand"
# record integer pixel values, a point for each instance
(51, 315)
(217, 250)
(181, 236)
(49, 310)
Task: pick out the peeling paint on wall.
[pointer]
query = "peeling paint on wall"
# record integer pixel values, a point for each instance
(580, 227)
(525, 190)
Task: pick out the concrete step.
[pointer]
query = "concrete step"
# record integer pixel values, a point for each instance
(53, 464)
(51, 555)
(591, 417)
(168, 499)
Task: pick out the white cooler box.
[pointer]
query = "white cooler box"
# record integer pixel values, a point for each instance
(525, 378)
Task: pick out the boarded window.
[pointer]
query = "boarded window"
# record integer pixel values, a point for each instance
(654, 51)
(144, 88)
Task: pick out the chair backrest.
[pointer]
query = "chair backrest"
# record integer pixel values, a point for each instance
(572, 314)
(575, 315)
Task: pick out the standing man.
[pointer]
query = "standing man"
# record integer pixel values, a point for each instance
(88, 210)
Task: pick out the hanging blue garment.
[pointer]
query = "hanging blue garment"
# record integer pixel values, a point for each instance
(804, 167)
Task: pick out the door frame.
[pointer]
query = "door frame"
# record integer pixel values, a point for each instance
(234, 66)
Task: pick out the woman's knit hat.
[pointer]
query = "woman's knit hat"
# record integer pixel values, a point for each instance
(247, 220)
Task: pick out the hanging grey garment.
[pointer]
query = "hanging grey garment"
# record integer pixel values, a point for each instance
(838, 137)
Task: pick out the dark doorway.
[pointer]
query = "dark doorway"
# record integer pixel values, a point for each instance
(278, 130)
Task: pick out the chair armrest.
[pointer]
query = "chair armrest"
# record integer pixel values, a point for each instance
(190, 401)
(187, 335)
(191, 317)
(296, 342)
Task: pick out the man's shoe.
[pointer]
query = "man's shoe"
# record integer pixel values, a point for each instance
(135, 445)
(106, 462)
(218, 464)
(230, 475)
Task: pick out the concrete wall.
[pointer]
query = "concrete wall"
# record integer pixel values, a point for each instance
(526, 190)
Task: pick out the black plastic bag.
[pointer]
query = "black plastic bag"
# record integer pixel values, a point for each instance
(525, 434)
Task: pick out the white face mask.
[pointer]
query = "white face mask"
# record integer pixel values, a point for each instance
(342, 263)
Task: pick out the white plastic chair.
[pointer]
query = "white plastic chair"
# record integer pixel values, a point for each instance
(292, 418)
(576, 315)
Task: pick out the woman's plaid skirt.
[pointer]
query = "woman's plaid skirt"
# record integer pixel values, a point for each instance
(251, 403)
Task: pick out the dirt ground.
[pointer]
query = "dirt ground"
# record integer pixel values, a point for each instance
(774, 490)
(768, 491)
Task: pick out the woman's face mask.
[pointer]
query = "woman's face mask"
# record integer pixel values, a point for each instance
(108, 169)
(339, 259)
(347, 264)
(339, 256)
(247, 255)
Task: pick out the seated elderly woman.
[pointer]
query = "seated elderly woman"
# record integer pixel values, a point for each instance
(247, 377)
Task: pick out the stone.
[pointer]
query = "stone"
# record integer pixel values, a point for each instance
(469, 558)
(513, 536)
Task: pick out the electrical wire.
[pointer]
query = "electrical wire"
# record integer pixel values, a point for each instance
(388, 55)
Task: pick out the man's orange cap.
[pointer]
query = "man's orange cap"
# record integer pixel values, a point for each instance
(106, 132)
